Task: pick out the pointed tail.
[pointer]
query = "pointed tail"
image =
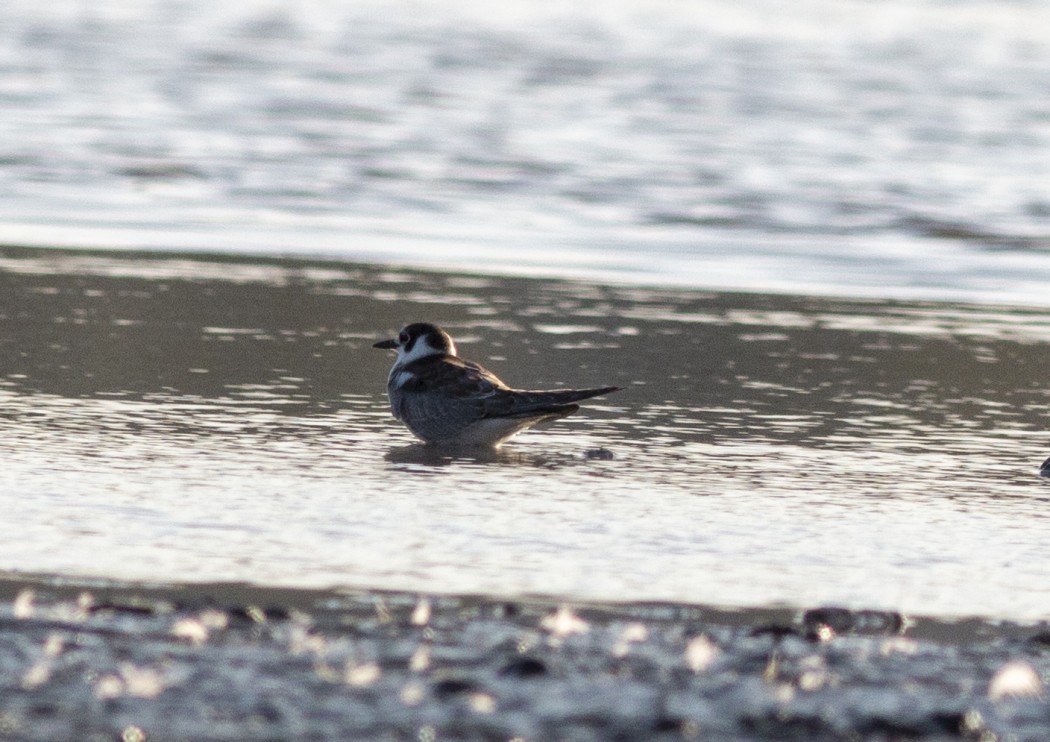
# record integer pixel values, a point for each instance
(558, 402)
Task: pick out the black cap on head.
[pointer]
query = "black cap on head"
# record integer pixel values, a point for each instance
(410, 334)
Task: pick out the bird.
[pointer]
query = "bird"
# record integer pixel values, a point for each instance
(446, 400)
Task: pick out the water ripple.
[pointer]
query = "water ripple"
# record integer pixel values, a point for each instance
(234, 426)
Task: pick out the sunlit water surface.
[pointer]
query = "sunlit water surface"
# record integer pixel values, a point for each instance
(190, 419)
(897, 148)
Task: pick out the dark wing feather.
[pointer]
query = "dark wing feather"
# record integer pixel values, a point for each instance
(523, 403)
(438, 416)
(446, 394)
(450, 375)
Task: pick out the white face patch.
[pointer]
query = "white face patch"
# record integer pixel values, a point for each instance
(421, 349)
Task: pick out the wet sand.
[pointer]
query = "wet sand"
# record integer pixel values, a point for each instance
(84, 660)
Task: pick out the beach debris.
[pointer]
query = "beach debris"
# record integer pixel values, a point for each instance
(420, 660)
(421, 613)
(132, 734)
(195, 629)
(383, 614)
(481, 703)
(38, 674)
(23, 605)
(1015, 679)
(772, 669)
(131, 680)
(191, 630)
(54, 645)
(632, 633)
(563, 622)
(635, 632)
(413, 693)
(523, 667)
(454, 684)
(363, 674)
(814, 673)
(824, 624)
(251, 613)
(700, 652)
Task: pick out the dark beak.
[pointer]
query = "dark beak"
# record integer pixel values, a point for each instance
(386, 344)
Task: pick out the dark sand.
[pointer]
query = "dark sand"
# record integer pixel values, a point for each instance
(98, 661)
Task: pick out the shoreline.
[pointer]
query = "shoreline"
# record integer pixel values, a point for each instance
(786, 620)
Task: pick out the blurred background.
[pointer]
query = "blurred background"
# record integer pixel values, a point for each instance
(893, 149)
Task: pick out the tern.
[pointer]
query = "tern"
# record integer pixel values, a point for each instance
(446, 400)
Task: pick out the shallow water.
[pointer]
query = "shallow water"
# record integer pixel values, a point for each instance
(897, 148)
(180, 418)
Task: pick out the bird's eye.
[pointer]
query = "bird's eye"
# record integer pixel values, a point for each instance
(402, 338)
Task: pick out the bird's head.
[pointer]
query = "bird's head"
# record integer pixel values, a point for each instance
(418, 340)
